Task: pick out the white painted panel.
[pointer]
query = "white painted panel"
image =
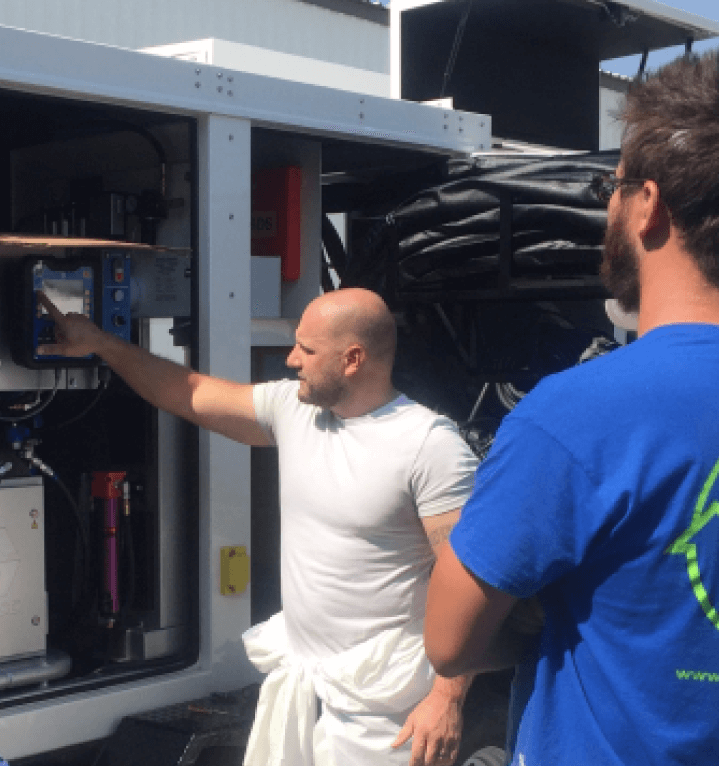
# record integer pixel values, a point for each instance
(44, 64)
(224, 327)
(287, 66)
(285, 25)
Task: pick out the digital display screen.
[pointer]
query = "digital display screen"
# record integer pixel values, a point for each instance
(67, 294)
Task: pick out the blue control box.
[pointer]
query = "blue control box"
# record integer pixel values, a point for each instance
(98, 288)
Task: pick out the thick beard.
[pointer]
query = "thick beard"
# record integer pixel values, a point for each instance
(620, 266)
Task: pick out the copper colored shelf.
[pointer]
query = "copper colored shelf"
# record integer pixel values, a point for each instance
(28, 244)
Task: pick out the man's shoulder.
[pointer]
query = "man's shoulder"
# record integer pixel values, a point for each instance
(436, 437)
(274, 397)
(412, 411)
(278, 388)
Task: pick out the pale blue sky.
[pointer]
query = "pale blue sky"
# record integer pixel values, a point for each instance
(709, 9)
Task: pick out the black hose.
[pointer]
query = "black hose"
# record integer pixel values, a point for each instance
(80, 525)
(101, 389)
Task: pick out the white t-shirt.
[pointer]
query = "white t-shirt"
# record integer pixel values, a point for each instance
(355, 559)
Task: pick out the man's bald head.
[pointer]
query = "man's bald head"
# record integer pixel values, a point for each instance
(356, 315)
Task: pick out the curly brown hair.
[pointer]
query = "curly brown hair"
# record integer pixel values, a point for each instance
(671, 136)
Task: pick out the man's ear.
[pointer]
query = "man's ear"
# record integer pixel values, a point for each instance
(654, 218)
(354, 357)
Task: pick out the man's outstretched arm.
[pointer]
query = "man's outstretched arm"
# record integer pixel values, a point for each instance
(218, 405)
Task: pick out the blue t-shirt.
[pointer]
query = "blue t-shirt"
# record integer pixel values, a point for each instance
(599, 495)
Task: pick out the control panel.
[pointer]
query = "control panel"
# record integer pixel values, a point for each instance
(116, 299)
(98, 289)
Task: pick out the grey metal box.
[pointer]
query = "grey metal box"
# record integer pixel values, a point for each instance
(265, 285)
(160, 285)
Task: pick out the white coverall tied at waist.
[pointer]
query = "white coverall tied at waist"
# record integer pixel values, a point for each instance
(367, 692)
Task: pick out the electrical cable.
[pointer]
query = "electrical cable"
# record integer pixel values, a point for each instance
(76, 511)
(509, 395)
(105, 376)
(506, 402)
(35, 462)
(31, 413)
(156, 145)
(515, 393)
(455, 48)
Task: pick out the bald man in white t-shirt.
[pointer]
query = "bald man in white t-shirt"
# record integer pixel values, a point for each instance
(371, 484)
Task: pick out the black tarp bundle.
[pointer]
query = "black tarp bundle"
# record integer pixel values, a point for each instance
(447, 236)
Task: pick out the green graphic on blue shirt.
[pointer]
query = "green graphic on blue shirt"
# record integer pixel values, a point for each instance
(684, 545)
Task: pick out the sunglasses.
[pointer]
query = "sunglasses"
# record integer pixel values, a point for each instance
(606, 184)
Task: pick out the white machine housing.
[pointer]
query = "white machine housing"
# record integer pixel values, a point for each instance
(241, 122)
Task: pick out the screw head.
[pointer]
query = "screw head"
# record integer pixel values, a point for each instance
(230, 93)
(197, 85)
(219, 75)
(198, 71)
(219, 88)
(232, 295)
(232, 217)
(232, 138)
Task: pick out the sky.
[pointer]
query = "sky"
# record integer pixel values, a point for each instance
(629, 66)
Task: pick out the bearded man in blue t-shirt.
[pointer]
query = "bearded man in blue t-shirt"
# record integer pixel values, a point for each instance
(601, 493)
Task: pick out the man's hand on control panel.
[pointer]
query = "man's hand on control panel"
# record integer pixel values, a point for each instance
(75, 335)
